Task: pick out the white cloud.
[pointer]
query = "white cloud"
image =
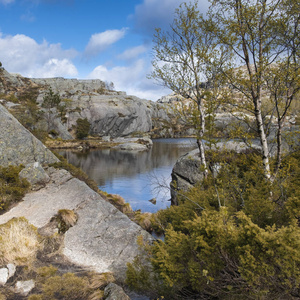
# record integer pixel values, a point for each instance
(132, 53)
(22, 54)
(55, 67)
(131, 79)
(101, 41)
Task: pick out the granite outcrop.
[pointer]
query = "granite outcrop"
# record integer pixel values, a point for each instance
(102, 239)
(18, 145)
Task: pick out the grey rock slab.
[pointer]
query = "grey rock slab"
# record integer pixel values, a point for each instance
(131, 147)
(103, 239)
(24, 287)
(3, 276)
(18, 145)
(11, 270)
(35, 174)
(114, 292)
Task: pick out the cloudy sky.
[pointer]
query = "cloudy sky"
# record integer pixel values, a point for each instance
(106, 39)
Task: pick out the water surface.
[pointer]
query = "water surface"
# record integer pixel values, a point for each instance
(136, 176)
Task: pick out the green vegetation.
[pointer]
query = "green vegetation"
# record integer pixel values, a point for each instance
(82, 128)
(12, 187)
(233, 236)
(242, 56)
(51, 104)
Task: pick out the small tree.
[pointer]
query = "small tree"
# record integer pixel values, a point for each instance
(51, 102)
(187, 60)
(259, 34)
(82, 128)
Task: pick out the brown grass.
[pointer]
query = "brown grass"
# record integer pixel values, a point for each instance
(19, 242)
(119, 202)
(99, 281)
(68, 216)
(144, 220)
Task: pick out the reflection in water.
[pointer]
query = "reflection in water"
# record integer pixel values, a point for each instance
(134, 175)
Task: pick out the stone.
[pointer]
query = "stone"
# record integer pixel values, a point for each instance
(106, 138)
(185, 173)
(103, 239)
(35, 174)
(18, 145)
(3, 276)
(131, 147)
(24, 287)
(114, 292)
(11, 270)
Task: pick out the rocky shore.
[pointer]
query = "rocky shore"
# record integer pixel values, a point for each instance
(85, 230)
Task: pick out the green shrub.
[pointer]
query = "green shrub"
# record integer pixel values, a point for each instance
(233, 236)
(12, 187)
(82, 128)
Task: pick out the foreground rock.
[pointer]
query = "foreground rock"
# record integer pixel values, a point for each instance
(103, 238)
(18, 145)
(185, 173)
(114, 292)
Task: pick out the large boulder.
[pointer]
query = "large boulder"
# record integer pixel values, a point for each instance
(185, 174)
(18, 145)
(103, 239)
(114, 292)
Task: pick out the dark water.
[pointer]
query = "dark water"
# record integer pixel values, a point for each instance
(136, 176)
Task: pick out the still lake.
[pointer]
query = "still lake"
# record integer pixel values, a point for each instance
(135, 176)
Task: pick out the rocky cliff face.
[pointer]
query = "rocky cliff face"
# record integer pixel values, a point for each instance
(102, 239)
(18, 145)
(109, 112)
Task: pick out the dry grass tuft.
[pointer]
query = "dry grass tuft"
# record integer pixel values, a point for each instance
(66, 218)
(2, 297)
(144, 220)
(97, 295)
(119, 202)
(19, 242)
(99, 281)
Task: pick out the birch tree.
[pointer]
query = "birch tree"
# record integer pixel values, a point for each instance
(260, 34)
(187, 61)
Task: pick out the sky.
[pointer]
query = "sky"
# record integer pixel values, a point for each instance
(109, 40)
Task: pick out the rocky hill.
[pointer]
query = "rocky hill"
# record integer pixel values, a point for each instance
(110, 113)
(60, 223)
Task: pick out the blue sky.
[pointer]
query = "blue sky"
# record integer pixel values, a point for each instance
(106, 39)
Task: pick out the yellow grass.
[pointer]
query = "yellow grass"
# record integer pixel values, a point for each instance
(99, 281)
(68, 216)
(19, 242)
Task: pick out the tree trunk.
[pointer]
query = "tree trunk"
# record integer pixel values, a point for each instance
(263, 138)
(279, 143)
(200, 140)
